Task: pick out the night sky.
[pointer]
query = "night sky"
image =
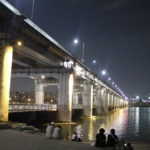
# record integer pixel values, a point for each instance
(116, 34)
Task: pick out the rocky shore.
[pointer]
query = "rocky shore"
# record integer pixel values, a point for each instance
(20, 136)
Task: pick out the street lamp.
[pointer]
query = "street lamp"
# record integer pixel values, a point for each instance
(109, 79)
(103, 72)
(76, 41)
(32, 11)
(94, 61)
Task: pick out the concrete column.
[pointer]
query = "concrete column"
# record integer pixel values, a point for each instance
(115, 101)
(106, 97)
(65, 92)
(6, 55)
(88, 99)
(75, 97)
(109, 101)
(113, 107)
(99, 102)
(39, 93)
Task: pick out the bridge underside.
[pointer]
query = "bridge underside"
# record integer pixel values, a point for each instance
(27, 51)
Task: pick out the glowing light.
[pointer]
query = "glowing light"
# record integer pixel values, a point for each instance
(103, 72)
(29, 100)
(94, 62)
(70, 91)
(43, 77)
(5, 76)
(109, 79)
(76, 41)
(68, 64)
(19, 43)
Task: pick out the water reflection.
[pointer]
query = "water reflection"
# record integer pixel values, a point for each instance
(130, 124)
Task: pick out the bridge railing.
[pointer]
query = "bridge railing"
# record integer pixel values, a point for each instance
(32, 107)
(77, 106)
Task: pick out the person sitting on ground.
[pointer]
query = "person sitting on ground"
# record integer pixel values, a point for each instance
(57, 134)
(78, 130)
(79, 137)
(100, 138)
(74, 136)
(50, 130)
(112, 139)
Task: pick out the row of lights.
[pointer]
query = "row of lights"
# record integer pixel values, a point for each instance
(104, 73)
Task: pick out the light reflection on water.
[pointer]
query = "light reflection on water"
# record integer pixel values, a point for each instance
(130, 124)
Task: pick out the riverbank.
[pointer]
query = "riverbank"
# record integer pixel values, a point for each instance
(15, 140)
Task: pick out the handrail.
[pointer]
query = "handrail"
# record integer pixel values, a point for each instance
(32, 107)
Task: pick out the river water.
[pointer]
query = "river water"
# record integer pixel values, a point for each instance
(131, 124)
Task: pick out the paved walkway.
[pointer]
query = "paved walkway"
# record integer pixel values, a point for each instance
(16, 140)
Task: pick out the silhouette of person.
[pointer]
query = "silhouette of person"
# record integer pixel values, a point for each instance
(100, 138)
(112, 138)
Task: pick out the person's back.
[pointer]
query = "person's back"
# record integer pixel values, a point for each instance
(100, 138)
(57, 134)
(112, 138)
(49, 131)
(74, 136)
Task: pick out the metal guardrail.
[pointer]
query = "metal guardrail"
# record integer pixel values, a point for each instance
(77, 106)
(32, 107)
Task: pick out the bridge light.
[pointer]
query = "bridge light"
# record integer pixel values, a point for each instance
(76, 41)
(94, 62)
(43, 77)
(29, 100)
(109, 79)
(103, 72)
(19, 43)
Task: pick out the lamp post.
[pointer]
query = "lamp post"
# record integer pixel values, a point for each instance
(76, 41)
(103, 72)
(83, 46)
(32, 11)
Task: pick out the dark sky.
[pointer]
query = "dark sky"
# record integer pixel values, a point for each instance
(116, 33)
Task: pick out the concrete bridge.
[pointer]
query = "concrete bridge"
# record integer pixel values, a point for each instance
(27, 51)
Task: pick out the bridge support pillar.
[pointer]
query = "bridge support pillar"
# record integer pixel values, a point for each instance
(99, 102)
(6, 55)
(111, 101)
(105, 99)
(115, 102)
(113, 107)
(75, 97)
(88, 99)
(65, 92)
(39, 93)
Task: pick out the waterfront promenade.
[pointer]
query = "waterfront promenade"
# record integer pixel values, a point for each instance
(17, 140)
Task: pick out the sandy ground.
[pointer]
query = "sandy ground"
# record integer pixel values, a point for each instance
(17, 140)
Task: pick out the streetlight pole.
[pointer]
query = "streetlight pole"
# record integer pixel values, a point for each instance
(83, 47)
(32, 11)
